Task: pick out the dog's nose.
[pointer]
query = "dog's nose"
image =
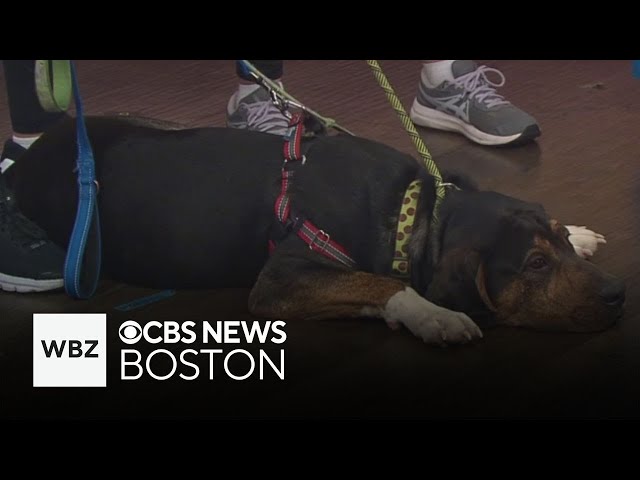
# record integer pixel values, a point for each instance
(613, 293)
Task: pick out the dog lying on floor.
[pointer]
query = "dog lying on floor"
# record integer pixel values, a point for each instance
(194, 208)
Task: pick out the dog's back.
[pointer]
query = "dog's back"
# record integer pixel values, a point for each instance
(194, 207)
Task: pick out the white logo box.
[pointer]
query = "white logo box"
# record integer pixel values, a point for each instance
(77, 348)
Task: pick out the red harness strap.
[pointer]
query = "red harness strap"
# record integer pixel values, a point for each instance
(317, 240)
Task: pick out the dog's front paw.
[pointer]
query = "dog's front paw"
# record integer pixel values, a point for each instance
(433, 324)
(585, 242)
(440, 326)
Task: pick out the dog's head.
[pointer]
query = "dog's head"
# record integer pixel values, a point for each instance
(505, 260)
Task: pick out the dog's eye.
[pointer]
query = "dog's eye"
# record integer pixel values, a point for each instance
(538, 263)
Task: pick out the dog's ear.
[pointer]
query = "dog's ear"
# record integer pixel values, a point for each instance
(459, 283)
(481, 286)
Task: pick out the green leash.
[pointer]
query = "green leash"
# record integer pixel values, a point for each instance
(431, 166)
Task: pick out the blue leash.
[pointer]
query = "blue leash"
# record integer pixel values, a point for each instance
(82, 264)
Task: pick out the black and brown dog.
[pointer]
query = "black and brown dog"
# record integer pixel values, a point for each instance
(195, 208)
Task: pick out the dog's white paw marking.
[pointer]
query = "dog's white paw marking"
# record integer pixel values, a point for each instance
(433, 324)
(585, 242)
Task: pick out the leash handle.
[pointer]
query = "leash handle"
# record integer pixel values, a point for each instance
(53, 84)
(82, 263)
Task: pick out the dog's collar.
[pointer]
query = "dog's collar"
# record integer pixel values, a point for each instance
(406, 219)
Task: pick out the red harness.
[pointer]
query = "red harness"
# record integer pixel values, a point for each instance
(318, 240)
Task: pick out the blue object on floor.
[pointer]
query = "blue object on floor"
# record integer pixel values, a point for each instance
(144, 301)
(636, 68)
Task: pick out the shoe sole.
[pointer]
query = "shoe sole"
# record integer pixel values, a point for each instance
(429, 117)
(28, 285)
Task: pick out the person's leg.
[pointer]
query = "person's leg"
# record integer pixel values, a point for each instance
(28, 118)
(29, 262)
(251, 107)
(460, 96)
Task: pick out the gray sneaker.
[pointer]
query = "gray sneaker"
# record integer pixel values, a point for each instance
(256, 112)
(469, 104)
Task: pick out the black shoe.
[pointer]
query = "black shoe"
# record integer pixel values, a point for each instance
(29, 262)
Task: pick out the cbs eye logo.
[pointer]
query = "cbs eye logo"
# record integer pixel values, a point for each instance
(130, 332)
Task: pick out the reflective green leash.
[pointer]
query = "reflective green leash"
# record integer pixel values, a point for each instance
(431, 166)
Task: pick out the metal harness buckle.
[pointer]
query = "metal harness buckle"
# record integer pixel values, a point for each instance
(322, 243)
(448, 184)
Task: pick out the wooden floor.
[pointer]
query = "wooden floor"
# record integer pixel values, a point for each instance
(585, 169)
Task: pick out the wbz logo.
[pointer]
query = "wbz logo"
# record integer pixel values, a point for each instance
(74, 350)
(69, 350)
